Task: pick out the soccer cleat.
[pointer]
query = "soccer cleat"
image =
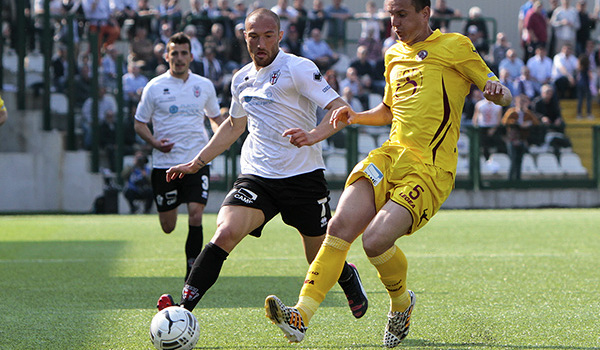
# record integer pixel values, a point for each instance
(286, 318)
(165, 301)
(397, 326)
(355, 293)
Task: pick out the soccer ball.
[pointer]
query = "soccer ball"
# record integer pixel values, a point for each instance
(174, 328)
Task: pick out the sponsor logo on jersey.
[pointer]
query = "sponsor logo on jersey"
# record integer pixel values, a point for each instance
(197, 90)
(421, 55)
(275, 76)
(173, 109)
(326, 88)
(374, 174)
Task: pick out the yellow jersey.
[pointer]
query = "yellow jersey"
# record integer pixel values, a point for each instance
(426, 88)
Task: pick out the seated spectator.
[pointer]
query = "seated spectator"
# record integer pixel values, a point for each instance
(332, 79)
(504, 78)
(441, 16)
(518, 121)
(372, 44)
(349, 97)
(337, 15)
(238, 15)
(211, 67)
(198, 17)
(197, 50)
(319, 51)
(239, 53)
(157, 59)
(165, 32)
(220, 44)
(60, 66)
(547, 108)
(564, 72)
(487, 117)
(169, 12)
(540, 66)
(225, 18)
(512, 64)
(138, 186)
(133, 84)
(478, 40)
(361, 63)
(316, 16)
(526, 85)
(292, 42)
(355, 84)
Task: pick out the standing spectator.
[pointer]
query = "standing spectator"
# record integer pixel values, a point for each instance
(337, 15)
(198, 17)
(540, 66)
(226, 17)
(521, 23)
(238, 14)
(178, 131)
(587, 24)
(512, 64)
(146, 15)
(371, 21)
(138, 186)
(105, 106)
(565, 21)
(60, 67)
(286, 13)
(302, 17)
(107, 136)
(316, 16)
(140, 47)
(564, 72)
(124, 10)
(552, 33)
(100, 21)
(169, 12)
(318, 51)
(109, 68)
(582, 85)
(518, 121)
(441, 16)
(133, 84)
(211, 68)
(535, 30)
(487, 117)
(475, 19)
(498, 51)
(278, 176)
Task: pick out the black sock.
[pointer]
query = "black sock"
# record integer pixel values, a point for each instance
(203, 275)
(346, 274)
(193, 247)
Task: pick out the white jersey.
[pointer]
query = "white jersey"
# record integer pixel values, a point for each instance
(278, 97)
(177, 110)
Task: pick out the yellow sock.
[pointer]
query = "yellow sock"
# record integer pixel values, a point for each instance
(322, 275)
(392, 267)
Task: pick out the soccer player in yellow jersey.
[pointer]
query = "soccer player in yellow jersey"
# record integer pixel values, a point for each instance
(398, 188)
(3, 112)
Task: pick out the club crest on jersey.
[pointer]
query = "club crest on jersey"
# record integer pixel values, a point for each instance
(197, 90)
(421, 55)
(275, 76)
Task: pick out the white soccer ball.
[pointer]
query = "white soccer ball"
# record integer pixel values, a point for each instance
(174, 328)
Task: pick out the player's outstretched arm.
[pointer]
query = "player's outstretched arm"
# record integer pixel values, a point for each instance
(379, 115)
(495, 92)
(229, 131)
(299, 137)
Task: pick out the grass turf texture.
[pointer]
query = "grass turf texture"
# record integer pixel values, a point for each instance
(509, 279)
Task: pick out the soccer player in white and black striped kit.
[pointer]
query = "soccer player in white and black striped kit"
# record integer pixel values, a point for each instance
(176, 103)
(276, 97)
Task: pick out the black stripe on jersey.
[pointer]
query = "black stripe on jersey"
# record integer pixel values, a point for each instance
(443, 123)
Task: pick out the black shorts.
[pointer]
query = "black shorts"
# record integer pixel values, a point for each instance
(190, 188)
(302, 200)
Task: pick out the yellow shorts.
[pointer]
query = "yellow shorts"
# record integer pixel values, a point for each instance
(420, 188)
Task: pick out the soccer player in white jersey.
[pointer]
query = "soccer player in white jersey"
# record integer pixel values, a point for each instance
(176, 103)
(276, 97)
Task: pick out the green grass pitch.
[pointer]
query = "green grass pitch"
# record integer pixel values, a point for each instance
(484, 279)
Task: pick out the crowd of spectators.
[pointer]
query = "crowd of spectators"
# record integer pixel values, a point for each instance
(555, 56)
